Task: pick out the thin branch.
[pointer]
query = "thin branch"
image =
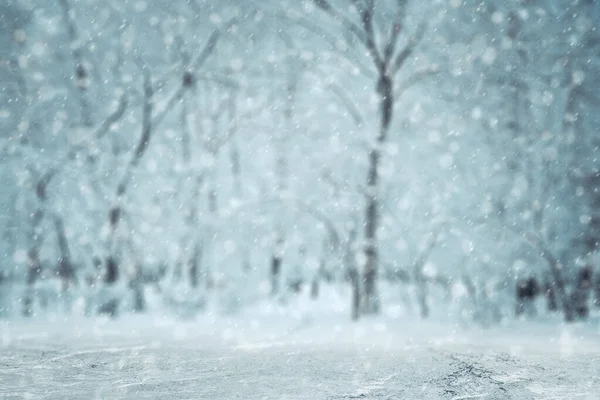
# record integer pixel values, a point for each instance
(415, 78)
(195, 64)
(348, 103)
(410, 47)
(420, 260)
(366, 16)
(327, 36)
(162, 113)
(112, 118)
(351, 26)
(321, 216)
(146, 120)
(144, 138)
(390, 46)
(210, 45)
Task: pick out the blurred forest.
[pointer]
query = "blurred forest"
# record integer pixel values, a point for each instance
(213, 154)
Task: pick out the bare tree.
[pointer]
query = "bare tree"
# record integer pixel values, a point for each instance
(81, 74)
(388, 58)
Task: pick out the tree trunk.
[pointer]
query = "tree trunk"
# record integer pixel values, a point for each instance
(526, 291)
(275, 270)
(551, 303)
(81, 74)
(422, 296)
(420, 279)
(597, 289)
(472, 292)
(316, 282)
(137, 287)
(110, 304)
(65, 266)
(194, 265)
(559, 284)
(353, 275)
(33, 254)
(370, 298)
(581, 295)
(355, 284)
(314, 288)
(33, 274)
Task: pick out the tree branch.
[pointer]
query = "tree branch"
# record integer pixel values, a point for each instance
(112, 118)
(414, 79)
(366, 16)
(348, 103)
(352, 27)
(210, 45)
(146, 120)
(409, 48)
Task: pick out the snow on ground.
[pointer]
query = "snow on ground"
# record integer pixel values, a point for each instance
(296, 351)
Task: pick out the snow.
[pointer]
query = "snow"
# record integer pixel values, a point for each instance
(296, 348)
(269, 356)
(277, 147)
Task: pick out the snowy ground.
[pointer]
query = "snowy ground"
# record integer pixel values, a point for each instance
(252, 358)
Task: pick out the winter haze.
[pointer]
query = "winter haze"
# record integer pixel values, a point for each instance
(300, 199)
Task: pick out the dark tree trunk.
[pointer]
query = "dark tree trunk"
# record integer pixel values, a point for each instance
(275, 274)
(112, 270)
(139, 301)
(581, 294)
(316, 282)
(559, 283)
(33, 273)
(110, 305)
(551, 303)
(137, 287)
(472, 291)
(194, 265)
(371, 218)
(355, 284)
(370, 299)
(33, 254)
(526, 292)
(420, 279)
(314, 288)
(35, 268)
(353, 275)
(65, 267)
(423, 300)
(597, 289)
(80, 72)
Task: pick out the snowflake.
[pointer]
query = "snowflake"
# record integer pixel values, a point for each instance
(489, 56)
(497, 17)
(141, 6)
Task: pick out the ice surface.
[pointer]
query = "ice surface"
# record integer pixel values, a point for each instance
(261, 355)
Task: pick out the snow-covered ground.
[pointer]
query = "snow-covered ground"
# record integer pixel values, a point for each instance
(271, 353)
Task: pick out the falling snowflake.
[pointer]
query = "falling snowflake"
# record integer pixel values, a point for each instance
(489, 56)
(434, 137)
(141, 6)
(497, 17)
(446, 161)
(20, 256)
(578, 77)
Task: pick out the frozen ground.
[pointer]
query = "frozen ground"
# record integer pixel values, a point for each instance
(254, 358)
